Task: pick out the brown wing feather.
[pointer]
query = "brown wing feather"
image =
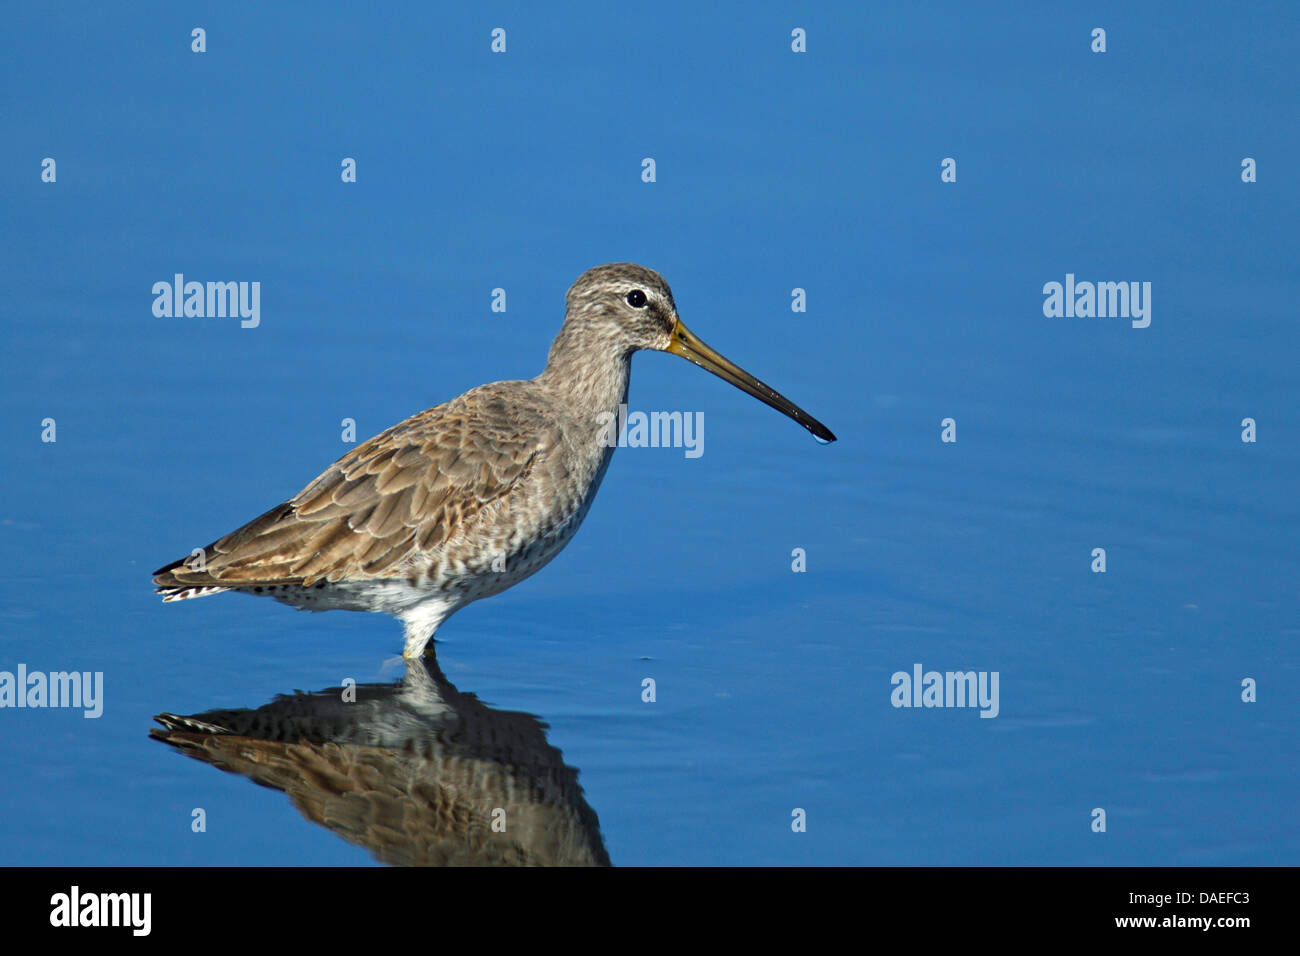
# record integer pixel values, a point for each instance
(415, 486)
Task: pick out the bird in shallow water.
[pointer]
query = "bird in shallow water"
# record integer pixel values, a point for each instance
(461, 501)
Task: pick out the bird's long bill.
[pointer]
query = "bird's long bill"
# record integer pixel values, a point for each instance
(685, 344)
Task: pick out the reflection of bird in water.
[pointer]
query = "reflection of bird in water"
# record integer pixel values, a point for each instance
(464, 500)
(416, 772)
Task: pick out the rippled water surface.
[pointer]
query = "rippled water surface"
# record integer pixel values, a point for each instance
(1118, 690)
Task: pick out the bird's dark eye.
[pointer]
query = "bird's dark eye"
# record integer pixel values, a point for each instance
(636, 299)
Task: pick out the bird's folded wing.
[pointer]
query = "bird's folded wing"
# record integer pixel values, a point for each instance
(410, 489)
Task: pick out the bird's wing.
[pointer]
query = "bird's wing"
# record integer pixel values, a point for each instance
(410, 489)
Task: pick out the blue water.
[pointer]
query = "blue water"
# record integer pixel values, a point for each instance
(1119, 690)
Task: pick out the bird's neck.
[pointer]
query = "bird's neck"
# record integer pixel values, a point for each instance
(590, 377)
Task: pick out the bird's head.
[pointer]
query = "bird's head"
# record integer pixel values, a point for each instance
(625, 307)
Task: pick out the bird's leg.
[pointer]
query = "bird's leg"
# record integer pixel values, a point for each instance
(420, 621)
(418, 637)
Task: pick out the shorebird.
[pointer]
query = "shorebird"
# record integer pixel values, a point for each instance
(466, 499)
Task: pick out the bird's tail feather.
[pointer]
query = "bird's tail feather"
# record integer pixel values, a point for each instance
(187, 592)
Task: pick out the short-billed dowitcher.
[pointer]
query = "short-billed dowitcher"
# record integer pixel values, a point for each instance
(461, 501)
